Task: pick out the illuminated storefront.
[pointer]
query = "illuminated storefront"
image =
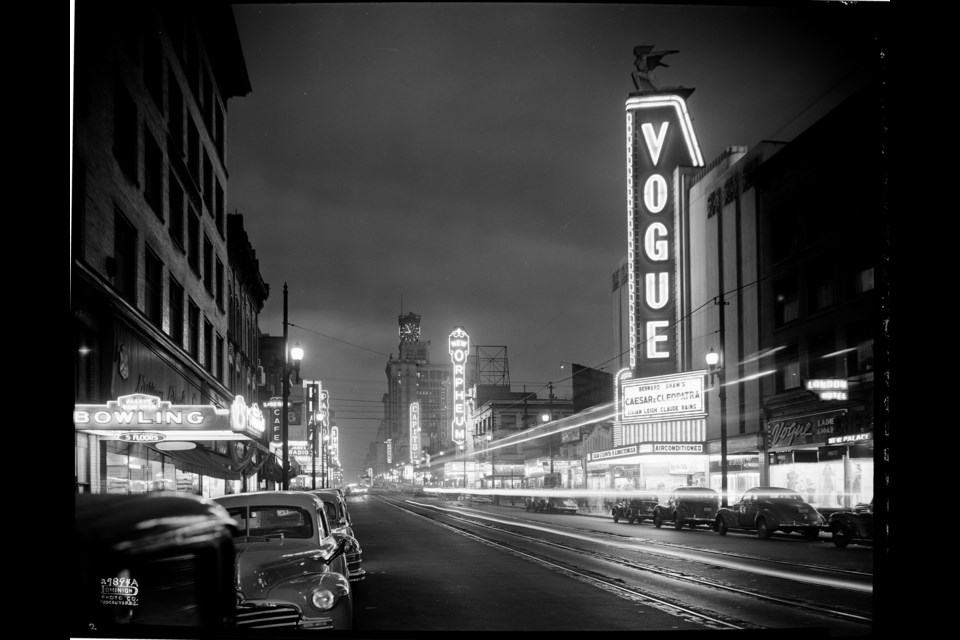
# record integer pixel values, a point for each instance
(140, 443)
(827, 456)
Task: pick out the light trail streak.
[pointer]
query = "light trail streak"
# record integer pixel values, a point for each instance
(677, 554)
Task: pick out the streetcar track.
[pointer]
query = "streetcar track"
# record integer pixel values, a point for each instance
(711, 621)
(470, 517)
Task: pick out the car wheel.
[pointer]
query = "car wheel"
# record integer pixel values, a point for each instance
(657, 522)
(763, 531)
(616, 517)
(677, 522)
(841, 538)
(720, 526)
(811, 534)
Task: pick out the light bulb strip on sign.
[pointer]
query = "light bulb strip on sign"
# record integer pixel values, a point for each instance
(651, 218)
(459, 348)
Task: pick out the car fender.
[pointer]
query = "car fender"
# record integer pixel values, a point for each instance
(727, 518)
(774, 520)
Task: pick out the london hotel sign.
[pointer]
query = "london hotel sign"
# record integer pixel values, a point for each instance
(660, 138)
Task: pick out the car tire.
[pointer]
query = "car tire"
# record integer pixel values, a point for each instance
(720, 526)
(840, 538)
(616, 517)
(657, 522)
(763, 530)
(677, 522)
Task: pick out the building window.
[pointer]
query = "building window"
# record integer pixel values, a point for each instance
(218, 293)
(176, 112)
(176, 212)
(208, 345)
(863, 280)
(176, 312)
(125, 257)
(784, 229)
(821, 290)
(219, 361)
(153, 174)
(193, 240)
(208, 101)
(823, 356)
(860, 336)
(786, 301)
(79, 205)
(193, 150)
(219, 128)
(788, 368)
(207, 264)
(153, 65)
(125, 131)
(207, 183)
(193, 65)
(153, 288)
(193, 330)
(219, 207)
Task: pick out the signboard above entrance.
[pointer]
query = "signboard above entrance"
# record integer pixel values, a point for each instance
(662, 398)
(156, 420)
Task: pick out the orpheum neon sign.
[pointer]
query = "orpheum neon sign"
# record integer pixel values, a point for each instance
(459, 347)
(143, 418)
(660, 137)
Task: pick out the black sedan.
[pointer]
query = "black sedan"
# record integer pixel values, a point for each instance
(854, 526)
(768, 509)
(635, 509)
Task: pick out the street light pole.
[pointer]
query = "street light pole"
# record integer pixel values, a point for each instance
(286, 395)
(717, 364)
(297, 355)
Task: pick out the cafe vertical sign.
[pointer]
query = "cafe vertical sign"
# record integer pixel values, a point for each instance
(660, 138)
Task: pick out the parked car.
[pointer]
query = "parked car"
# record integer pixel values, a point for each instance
(635, 509)
(691, 506)
(854, 526)
(338, 515)
(768, 509)
(291, 569)
(144, 564)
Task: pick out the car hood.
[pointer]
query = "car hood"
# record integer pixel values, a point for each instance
(259, 566)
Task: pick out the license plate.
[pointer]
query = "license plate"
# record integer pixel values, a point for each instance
(803, 510)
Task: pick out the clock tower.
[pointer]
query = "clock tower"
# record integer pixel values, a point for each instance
(409, 328)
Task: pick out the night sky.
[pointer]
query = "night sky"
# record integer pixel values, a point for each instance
(467, 162)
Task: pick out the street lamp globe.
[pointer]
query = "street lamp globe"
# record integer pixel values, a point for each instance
(296, 353)
(545, 417)
(712, 358)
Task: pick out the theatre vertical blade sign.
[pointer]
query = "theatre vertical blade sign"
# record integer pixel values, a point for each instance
(660, 138)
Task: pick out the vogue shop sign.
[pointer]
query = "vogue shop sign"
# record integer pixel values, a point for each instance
(144, 418)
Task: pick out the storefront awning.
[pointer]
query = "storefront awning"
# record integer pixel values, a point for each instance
(206, 462)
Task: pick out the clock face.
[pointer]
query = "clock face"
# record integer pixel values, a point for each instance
(409, 330)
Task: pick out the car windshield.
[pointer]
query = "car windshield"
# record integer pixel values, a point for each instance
(289, 522)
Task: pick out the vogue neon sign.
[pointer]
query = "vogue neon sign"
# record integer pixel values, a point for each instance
(660, 137)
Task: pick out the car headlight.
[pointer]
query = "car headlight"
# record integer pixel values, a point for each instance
(323, 599)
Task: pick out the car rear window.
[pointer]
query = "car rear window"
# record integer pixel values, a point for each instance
(291, 522)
